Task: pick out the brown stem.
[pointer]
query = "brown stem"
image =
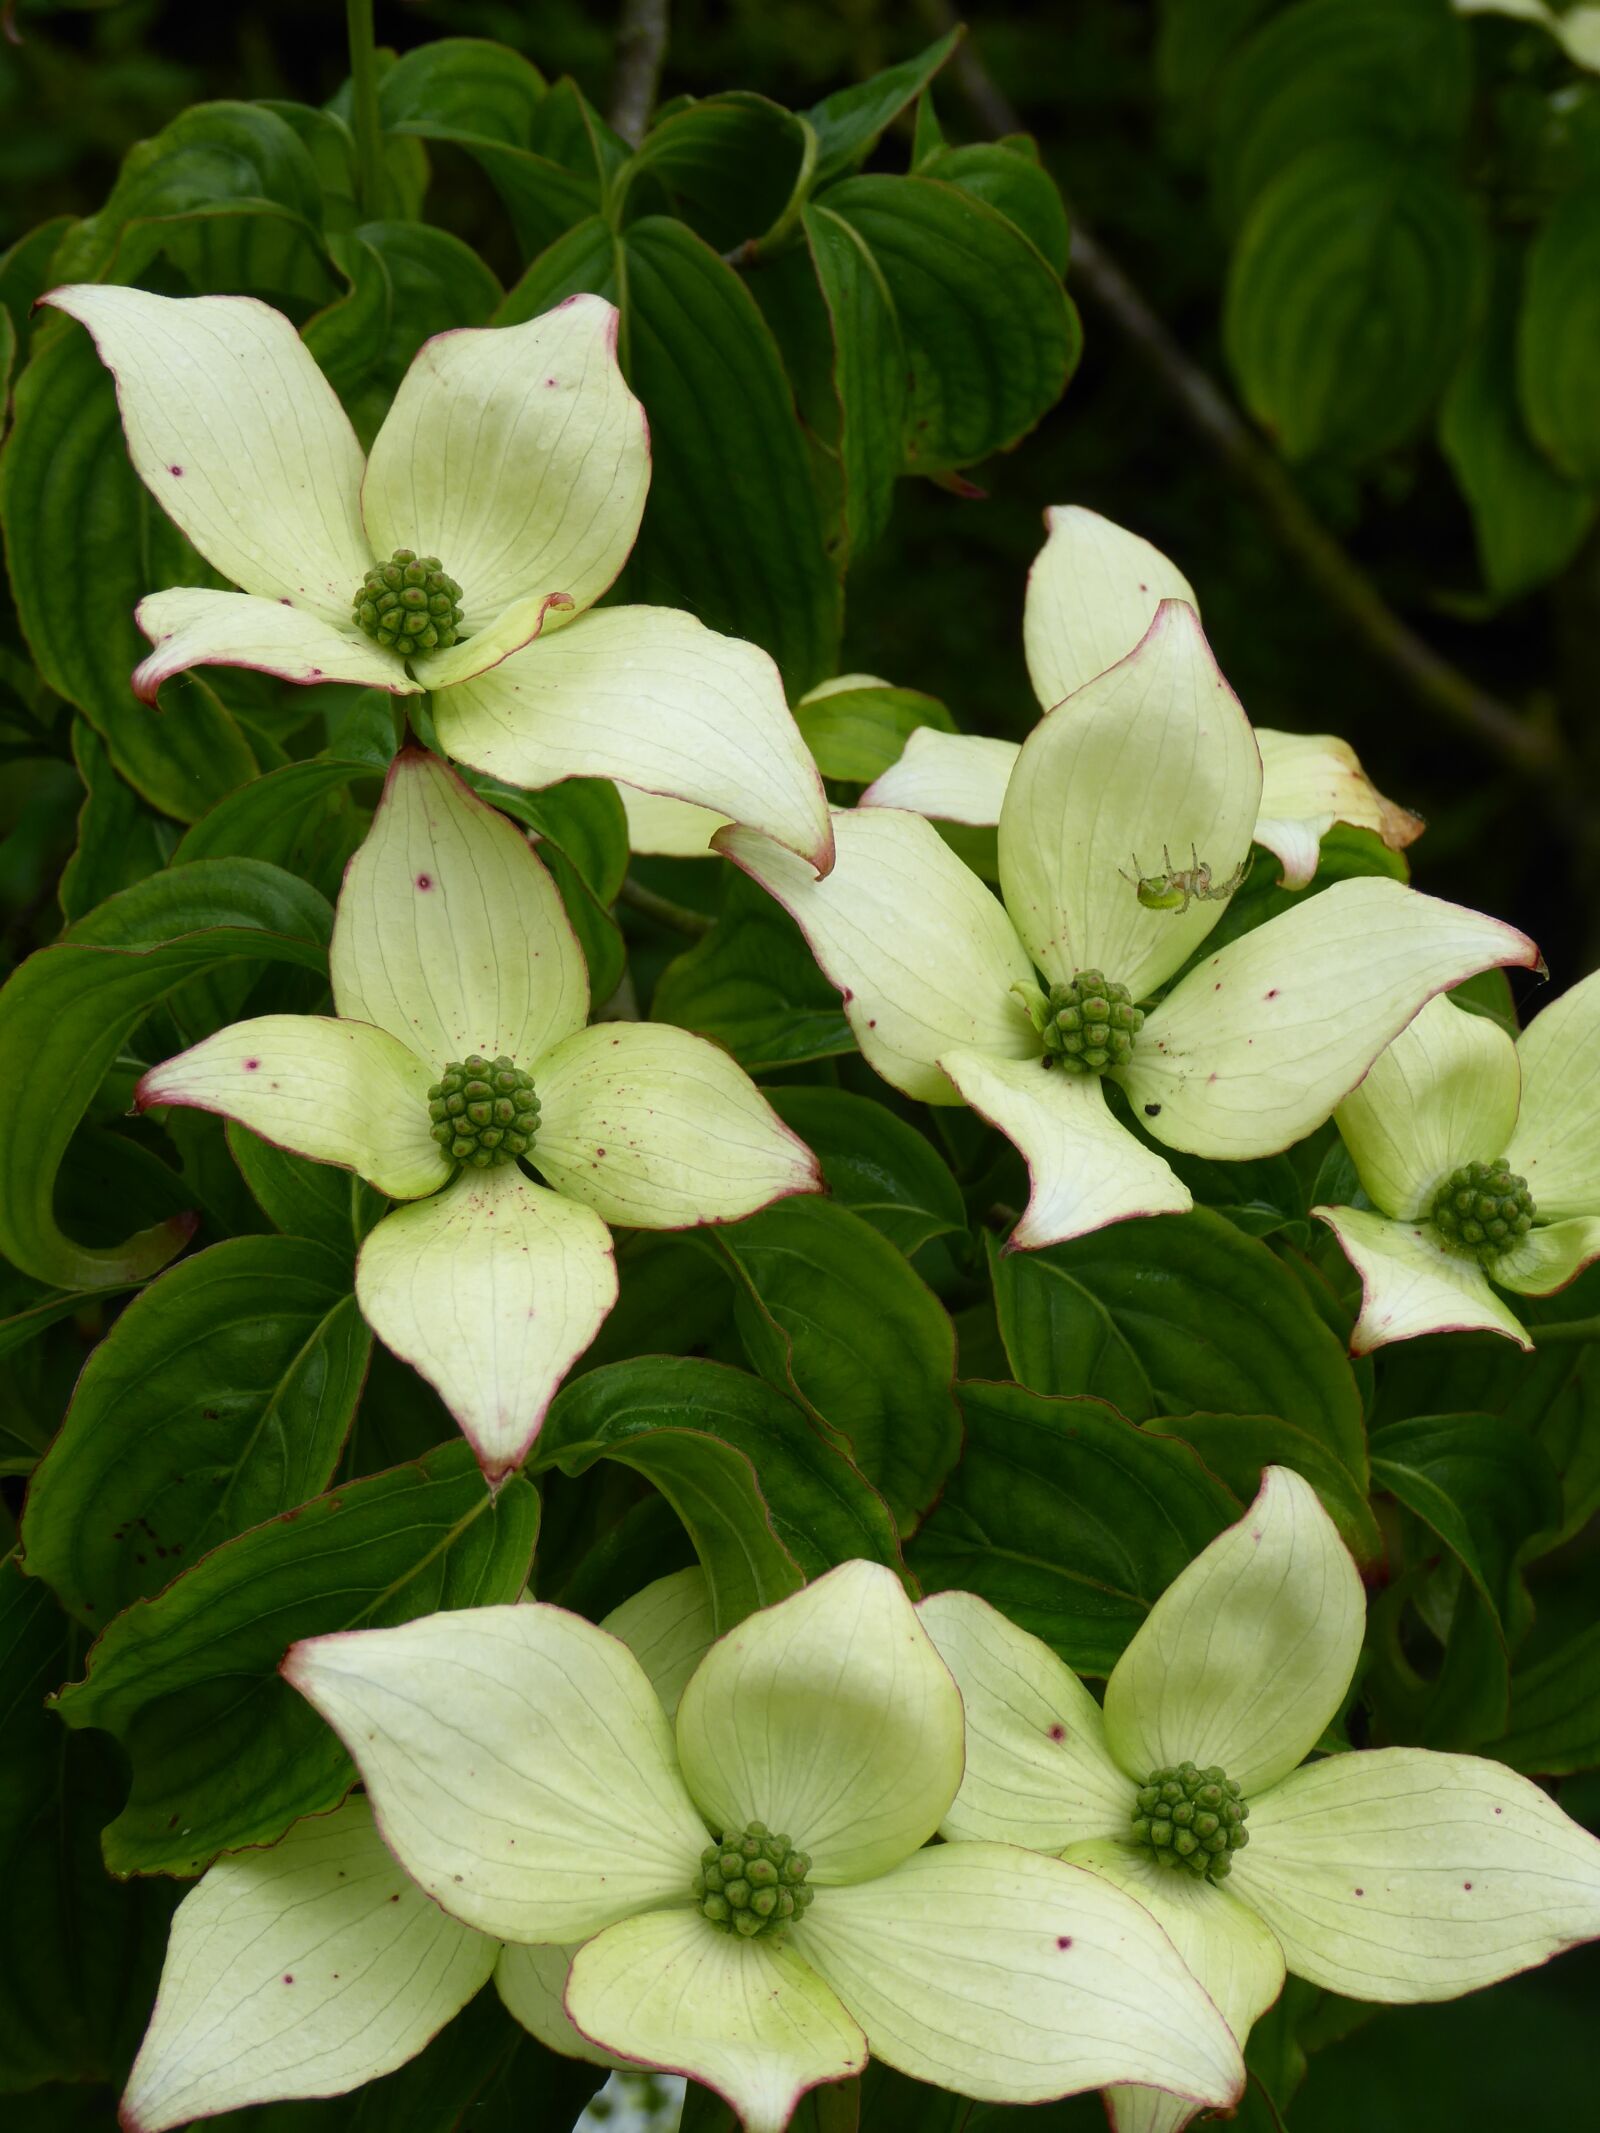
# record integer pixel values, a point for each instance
(641, 48)
(1453, 696)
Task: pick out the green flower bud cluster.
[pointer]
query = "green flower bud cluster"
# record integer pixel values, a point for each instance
(1192, 1818)
(753, 1883)
(484, 1112)
(1090, 1024)
(408, 604)
(1483, 1209)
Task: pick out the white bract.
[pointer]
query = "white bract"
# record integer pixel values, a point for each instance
(1455, 1120)
(518, 459)
(1393, 1874)
(1244, 1055)
(316, 1965)
(450, 945)
(1093, 592)
(521, 1768)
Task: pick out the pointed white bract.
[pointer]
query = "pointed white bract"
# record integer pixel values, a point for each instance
(516, 456)
(522, 1770)
(1392, 1874)
(450, 944)
(1451, 1091)
(1124, 828)
(302, 1970)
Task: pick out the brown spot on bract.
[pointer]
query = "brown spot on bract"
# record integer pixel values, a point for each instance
(1273, 994)
(1361, 1892)
(1152, 1110)
(599, 1151)
(395, 1898)
(1466, 1885)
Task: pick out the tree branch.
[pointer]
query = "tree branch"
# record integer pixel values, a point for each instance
(641, 48)
(1432, 680)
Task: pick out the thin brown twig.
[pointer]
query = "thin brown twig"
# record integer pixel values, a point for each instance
(695, 924)
(641, 49)
(1530, 746)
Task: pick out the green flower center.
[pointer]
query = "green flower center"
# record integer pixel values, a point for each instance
(752, 1882)
(484, 1111)
(408, 604)
(1482, 1209)
(1191, 1818)
(1090, 1024)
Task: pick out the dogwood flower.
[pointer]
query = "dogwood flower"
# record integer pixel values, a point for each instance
(464, 556)
(1482, 1159)
(749, 1887)
(315, 1965)
(1244, 1055)
(1092, 593)
(1392, 1874)
(458, 1047)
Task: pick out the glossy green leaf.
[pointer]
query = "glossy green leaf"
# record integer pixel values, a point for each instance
(1351, 294)
(78, 1955)
(331, 1207)
(876, 1163)
(85, 543)
(224, 1753)
(849, 124)
(582, 834)
(730, 162)
(1558, 336)
(868, 370)
(753, 986)
(981, 373)
(1237, 1447)
(1528, 519)
(829, 1311)
(1010, 178)
(220, 1398)
(68, 1011)
(119, 841)
(1178, 1314)
(1555, 1710)
(1068, 1518)
(855, 734)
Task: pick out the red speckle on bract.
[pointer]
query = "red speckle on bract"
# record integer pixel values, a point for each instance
(288, 1977)
(284, 600)
(550, 381)
(1361, 1892)
(395, 1898)
(250, 1065)
(1058, 1732)
(599, 1151)
(424, 881)
(1273, 994)
(1499, 1810)
(178, 471)
(1063, 1940)
(1466, 1884)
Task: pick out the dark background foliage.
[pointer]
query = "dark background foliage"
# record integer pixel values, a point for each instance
(1120, 98)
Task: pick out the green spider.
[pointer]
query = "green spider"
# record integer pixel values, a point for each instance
(1179, 887)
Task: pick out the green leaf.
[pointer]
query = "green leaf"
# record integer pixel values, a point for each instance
(1555, 1710)
(86, 543)
(732, 528)
(767, 1500)
(849, 124)
(331, 1207)
(876, 1164)
(582, 831)
(224, 1753)
(982, 372)
(1372, 72)
(487, 100)
(1558, 336)
(408, 282)
(855, 734)
(1351, 294)
(868, 373)
(1068, 1518)
(730, 163)
(1528, 520)
(270, 817)
(752, 985)
(228, 190)
(830, 1312)
(67, 1012)
(1010, 178)
(220, 1397)
(1173, 1315)
(1237, 1447)
(119, 843)
(78, 1955)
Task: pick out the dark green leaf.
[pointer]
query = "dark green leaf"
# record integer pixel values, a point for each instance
(1011, 179)
(855, 734)
(85, 544)
(876, 1164)
(78, 1955)
(583, 840)
(731, 163)
(1351, 295)
(868, 373)
(1558, 336)
(221, 1397)
(224, 1752)
(68, 1011)
(1178, 1314)
(982, 373)
(118, 841)
(1237, 1447)
(753, 986)
(1068, 1518)
(305, 1199)
(849, 124)
(1555, 1711)
(829, 1311)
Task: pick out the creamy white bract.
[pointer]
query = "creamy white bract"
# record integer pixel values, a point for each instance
(1393, 1874)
